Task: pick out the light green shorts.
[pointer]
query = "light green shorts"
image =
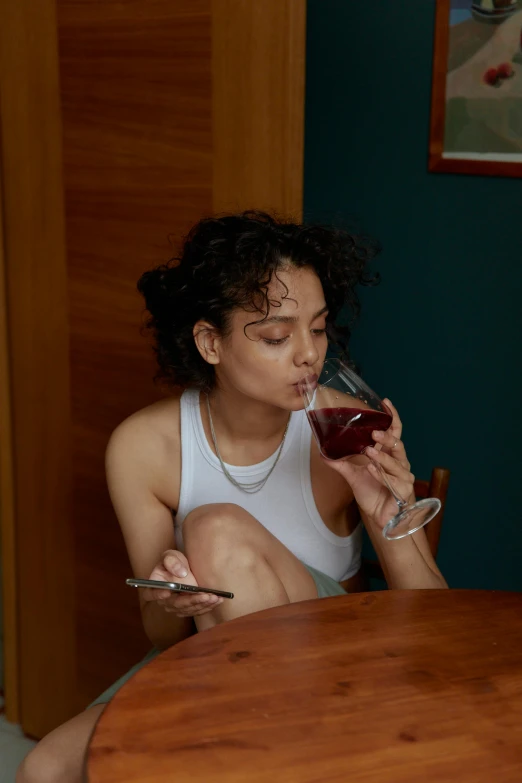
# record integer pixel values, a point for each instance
(326, 587)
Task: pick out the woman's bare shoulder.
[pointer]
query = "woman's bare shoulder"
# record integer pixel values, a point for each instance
(148, 440)
(159, 420)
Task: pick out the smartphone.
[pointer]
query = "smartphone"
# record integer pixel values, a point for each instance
(176, 587)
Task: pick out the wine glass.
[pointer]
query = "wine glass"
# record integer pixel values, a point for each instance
(343, 412)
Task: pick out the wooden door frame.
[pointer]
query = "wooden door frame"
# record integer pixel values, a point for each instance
(38, 562)
(7, 513)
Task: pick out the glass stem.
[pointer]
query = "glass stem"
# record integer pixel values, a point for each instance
(400, 502)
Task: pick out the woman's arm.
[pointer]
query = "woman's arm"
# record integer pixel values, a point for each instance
(134, 459)
(407, 563)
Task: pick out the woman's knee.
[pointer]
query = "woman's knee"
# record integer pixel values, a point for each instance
(215, 522)
(216, 536)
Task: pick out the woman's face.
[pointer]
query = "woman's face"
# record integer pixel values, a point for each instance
(267, 359)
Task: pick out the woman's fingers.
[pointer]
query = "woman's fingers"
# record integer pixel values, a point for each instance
(190, 606)
(158, 595)
(401, 478)
(208, 608)
(183, 603)
(201, 608)
(390, 464)
(175, 563)
(396, 425)
(393, 445)
(173, 567)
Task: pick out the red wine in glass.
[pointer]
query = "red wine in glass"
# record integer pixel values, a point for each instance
(344, 432)
(343, 413)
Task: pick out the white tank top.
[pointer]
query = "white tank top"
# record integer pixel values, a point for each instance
(285, 505)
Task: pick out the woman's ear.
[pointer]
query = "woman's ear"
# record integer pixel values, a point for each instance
(208, 340)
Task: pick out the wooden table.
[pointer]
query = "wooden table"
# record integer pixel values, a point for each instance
(391, 687)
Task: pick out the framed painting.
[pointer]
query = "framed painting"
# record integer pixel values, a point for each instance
(476, 106)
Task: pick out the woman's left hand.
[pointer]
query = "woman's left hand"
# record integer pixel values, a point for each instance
(374, 499)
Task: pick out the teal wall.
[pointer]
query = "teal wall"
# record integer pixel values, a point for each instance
(441, 336)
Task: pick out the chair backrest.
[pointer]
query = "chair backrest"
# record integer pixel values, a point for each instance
(436, 487)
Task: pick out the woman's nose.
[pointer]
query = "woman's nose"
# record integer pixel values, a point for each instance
(306, 352)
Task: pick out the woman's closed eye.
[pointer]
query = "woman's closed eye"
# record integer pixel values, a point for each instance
(281, 340)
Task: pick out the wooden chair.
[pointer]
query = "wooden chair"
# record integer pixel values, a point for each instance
(437, 487)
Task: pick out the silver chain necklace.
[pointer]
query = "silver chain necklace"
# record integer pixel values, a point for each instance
(255, 486)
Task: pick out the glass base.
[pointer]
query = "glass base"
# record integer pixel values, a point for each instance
(411, 519)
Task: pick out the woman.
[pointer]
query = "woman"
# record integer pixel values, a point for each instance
(245, 313)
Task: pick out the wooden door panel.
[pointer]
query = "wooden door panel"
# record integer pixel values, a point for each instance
(137, 150)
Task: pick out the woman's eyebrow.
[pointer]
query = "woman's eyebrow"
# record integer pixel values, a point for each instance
(290, 319)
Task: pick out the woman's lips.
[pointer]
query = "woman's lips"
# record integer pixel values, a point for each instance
(308, 382)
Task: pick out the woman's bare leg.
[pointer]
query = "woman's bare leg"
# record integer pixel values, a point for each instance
(59, 757)
(229, 549)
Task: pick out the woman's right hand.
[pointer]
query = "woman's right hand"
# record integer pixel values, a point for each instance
(174, 567)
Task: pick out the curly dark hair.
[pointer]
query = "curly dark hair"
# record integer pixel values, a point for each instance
(228, 262)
